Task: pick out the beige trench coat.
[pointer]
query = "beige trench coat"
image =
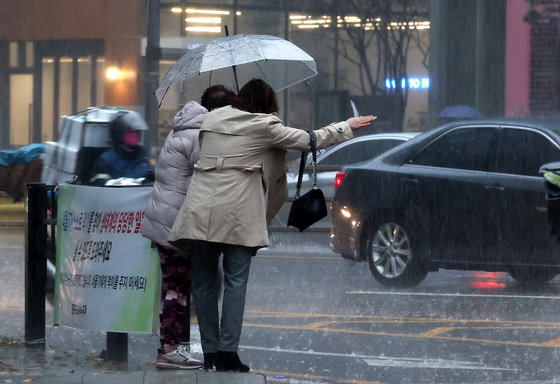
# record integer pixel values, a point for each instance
(239, 182)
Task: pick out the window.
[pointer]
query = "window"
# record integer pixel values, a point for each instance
(13, 54)
(523, 152)
(360, 151)
(460, 148)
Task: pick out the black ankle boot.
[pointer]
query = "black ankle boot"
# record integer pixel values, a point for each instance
(238, 365)
(229, 361)
(209, 361)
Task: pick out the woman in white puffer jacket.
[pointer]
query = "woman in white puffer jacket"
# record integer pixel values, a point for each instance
(174, 169)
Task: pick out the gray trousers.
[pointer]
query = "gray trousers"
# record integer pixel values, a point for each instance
(221, 335)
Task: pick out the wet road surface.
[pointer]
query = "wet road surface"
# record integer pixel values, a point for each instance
(313, 317)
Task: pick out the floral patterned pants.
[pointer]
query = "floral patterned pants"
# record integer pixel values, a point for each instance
(175, 297)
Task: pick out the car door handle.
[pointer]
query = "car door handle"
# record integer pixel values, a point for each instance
(494, 187)
(409, 181)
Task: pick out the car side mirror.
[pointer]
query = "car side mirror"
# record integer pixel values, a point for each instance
(554, 167)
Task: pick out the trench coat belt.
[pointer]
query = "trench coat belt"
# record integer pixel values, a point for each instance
(224, 162)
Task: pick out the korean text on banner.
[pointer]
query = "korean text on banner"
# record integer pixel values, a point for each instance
(107, 274)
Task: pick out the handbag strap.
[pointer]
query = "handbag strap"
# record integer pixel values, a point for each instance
(303, 160)
(314, 157)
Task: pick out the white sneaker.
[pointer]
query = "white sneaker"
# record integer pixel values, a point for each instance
(179, 358)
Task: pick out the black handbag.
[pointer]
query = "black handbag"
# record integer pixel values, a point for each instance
(311, 207)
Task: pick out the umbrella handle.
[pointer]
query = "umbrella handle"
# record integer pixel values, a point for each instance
(233, 66)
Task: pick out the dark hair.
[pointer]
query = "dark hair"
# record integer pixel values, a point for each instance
(216, 96)
(256, 97)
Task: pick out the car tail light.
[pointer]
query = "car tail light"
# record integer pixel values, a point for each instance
(339, 179)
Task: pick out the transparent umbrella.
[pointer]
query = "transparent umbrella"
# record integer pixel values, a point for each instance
(234, 60)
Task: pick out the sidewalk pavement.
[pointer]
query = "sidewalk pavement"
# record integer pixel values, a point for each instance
(71, 355)
(20, 364)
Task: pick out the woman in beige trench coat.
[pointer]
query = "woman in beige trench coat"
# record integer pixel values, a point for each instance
(238, 186)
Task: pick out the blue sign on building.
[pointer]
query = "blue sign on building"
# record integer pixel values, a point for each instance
(412, 83)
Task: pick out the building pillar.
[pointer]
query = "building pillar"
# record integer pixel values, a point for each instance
(37, 136)
(437, 93)
(467, 56)
(4, 95)
(153, 55)
(518, 57)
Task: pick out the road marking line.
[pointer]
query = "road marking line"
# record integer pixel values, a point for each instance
(14, 307)
(553, 343)
(388, 361)
(304, 378)
(435, 364)
(462, 339)
(297, 257)
(449, 295)
(438, 333)
(393, 318)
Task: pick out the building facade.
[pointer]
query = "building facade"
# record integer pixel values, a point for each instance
(61, 57)
(53, 59)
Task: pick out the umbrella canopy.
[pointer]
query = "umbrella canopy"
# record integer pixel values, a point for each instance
(240, 58)
(460, 112)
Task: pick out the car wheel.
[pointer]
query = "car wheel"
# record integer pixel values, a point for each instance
(392, 258)
(528, 275)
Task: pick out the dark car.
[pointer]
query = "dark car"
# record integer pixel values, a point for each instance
(467, 195)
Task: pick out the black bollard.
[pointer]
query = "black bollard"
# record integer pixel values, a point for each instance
(35, 264)
(117, 347)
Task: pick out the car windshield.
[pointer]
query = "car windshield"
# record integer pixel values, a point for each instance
(436, 256)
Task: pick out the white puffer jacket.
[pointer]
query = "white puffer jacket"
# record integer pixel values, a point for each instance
(174, 169)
